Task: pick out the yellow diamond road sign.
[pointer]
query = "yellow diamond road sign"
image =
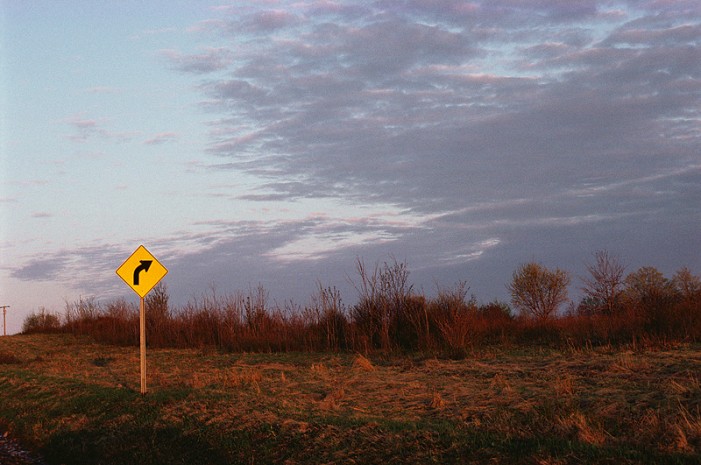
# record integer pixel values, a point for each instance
(141, 271)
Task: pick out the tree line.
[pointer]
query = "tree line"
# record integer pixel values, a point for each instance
(642, 306)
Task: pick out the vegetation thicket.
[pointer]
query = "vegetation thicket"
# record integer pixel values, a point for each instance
(640, 307)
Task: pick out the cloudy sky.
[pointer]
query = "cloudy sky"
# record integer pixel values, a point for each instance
(275, 142)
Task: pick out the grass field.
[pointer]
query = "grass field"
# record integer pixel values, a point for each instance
(77, 402)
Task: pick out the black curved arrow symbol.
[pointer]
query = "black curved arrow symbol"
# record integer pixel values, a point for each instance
(145, 265)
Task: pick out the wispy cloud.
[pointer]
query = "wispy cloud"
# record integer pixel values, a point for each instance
(161, 138)
(497, 116)
(85, 129)
(103, 90)
(40, 269)
(467, 136)
(211, 59)
(383, 106)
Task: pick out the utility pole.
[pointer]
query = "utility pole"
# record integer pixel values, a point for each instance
(4, 321)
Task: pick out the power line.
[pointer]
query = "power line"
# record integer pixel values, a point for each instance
(4, 320)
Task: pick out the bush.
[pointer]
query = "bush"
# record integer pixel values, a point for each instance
(42, 322)
(380, 315)
(455, 318)
(650, 296)
(538, 292)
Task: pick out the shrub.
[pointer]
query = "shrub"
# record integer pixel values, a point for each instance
(603, 287)
(495, 323)
(538, 292)
(383, 297)
(41, 322)
(329, 320)
(455, 317)
(650, 297)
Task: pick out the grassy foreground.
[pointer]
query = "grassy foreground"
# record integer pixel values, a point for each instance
(77, 402)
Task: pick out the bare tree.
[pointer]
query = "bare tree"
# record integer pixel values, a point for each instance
(537, 291)
(648, 286)
(383, 296)
(330, 317)
(686, 284)
(604, 284)
(651, 296)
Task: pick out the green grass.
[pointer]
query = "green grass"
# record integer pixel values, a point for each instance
(78, 402)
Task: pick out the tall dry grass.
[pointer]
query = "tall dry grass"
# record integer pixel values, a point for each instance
(388, 316)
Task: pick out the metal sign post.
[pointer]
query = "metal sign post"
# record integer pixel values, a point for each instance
(142, 338)
(141, 271)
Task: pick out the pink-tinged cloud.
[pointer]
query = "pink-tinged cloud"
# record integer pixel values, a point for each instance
(103, 90)
(86, 128)
(271, 20)
(83, 123)
(161, 138)
(210, 60)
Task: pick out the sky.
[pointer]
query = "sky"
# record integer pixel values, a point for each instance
(276, 143)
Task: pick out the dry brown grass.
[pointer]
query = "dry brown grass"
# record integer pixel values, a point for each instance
(564, 386)
(605, 399)
(437, 401)
(687, 429)
(8, 359)
(363, 363)
(576, 423)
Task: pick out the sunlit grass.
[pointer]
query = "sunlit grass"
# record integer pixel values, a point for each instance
(78, 402)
